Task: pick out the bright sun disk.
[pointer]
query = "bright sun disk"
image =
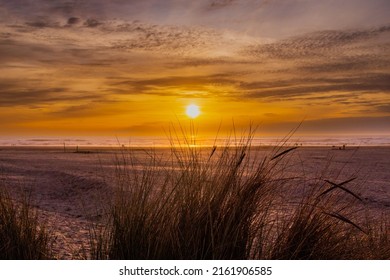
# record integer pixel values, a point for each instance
(192, 111)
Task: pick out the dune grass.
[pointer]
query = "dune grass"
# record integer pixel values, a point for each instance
(222, 203)
(22, 236)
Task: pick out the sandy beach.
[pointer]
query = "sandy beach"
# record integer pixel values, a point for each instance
(71, 190)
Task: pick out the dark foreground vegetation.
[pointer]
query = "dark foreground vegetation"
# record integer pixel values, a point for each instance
(221, 203)
(22, 236)
(213, 203)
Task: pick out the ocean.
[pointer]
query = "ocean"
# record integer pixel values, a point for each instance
(337, 141)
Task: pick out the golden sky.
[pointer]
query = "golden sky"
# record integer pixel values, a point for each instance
(131, 67)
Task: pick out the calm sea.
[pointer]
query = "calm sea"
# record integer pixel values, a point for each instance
(164, 142)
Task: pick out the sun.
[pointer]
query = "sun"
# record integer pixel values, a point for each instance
(192, 111)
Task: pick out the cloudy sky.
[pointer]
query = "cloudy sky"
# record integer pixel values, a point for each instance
(96, 67)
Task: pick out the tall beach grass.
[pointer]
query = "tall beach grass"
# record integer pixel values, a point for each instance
(223, 202)
(22, 235)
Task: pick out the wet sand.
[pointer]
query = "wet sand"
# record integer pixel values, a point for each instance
(71, 190)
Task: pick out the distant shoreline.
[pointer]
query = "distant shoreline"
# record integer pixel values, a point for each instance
(113, 149)
(164, 142)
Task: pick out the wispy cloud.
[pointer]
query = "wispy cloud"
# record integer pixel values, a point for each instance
(304, 87)
(43, 22)
(30, 96)
(221, 3)
(172, 85)
(320, 44)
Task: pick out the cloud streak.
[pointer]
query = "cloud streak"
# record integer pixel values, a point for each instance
(319, 44)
